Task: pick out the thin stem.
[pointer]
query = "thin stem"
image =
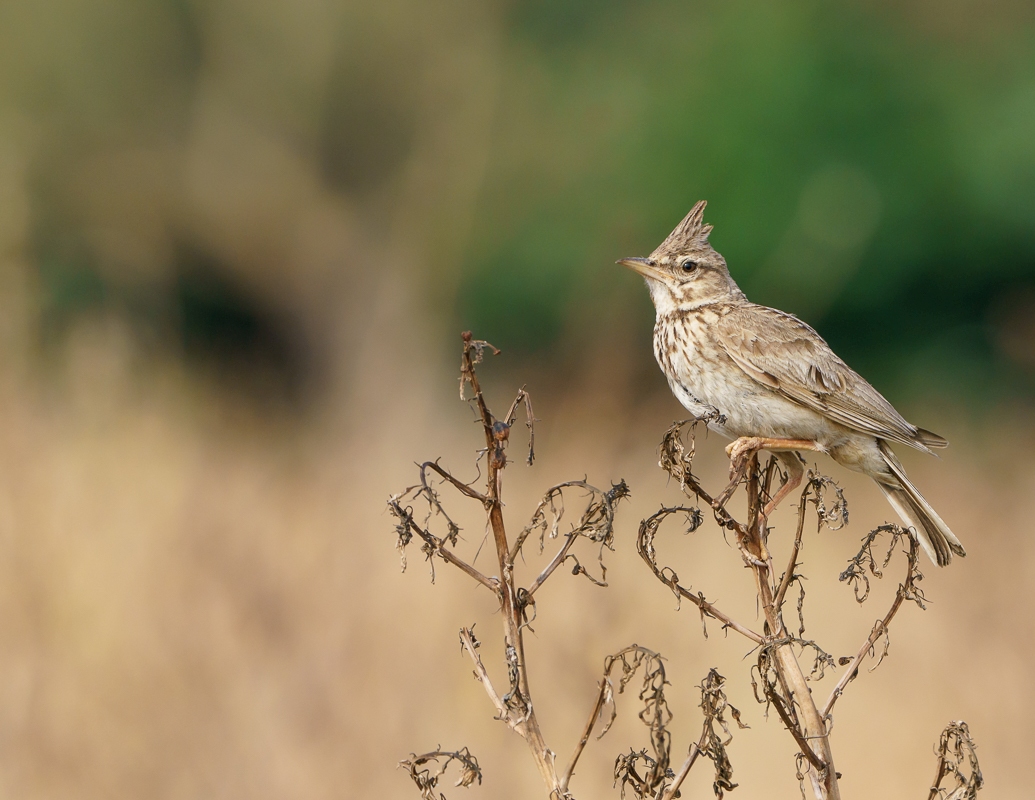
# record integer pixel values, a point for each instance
(792, 562)
(554, 492)
(792, 727)
(513, 638)
(722, 516)
(495, 441)
(880, 628)
(695, 750)
(605, 691)
(938, 775)
(467, 640)
(460, 485)
(645, 547)
(586, 732)
(756, 521)
(792, 679)
(555, 562)
(725, 619)
(467, 373)
(522, 396)
(438, 548)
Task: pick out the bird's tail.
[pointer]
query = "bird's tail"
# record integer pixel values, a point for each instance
(931, 531)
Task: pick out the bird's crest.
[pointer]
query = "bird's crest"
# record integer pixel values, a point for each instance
(690, 230)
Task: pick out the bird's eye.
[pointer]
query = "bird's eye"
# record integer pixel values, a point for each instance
(689, 266)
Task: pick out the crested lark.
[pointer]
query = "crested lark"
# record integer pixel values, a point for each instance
(769, 381)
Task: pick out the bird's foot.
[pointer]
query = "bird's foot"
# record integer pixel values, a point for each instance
(740, 452)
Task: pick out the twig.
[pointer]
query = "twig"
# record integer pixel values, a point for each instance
(523, 397)
(471, 645)
(906, 590)
(472, 354)
(695, 750)
(460, 485)
(645, 547)
(655, 714)
(792, 562)
(587, 730)
(496, 438)
(436, 546)
(555, 562)
(812, 738)
(714, 706)
(792, 727)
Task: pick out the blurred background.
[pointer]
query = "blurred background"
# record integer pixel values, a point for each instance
(237, 244)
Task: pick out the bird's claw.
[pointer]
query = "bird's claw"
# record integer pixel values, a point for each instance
(739, 451)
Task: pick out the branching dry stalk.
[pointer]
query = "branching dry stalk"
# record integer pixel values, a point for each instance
(786, 663)
(779, 679)
(646, 775)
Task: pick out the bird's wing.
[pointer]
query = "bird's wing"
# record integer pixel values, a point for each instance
(782, 352)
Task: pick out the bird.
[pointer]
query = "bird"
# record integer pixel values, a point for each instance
(767, 380)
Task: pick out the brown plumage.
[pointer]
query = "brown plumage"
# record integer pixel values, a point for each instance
(753, 371)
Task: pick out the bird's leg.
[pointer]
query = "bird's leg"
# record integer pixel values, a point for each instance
(740, 452)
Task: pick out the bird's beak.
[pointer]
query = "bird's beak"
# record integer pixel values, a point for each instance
(647, 267)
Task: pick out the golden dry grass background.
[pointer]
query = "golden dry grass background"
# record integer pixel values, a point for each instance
(198, 601)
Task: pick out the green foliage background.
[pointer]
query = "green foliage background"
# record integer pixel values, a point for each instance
(868, 166)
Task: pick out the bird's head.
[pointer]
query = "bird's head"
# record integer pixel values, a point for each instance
(685, 271)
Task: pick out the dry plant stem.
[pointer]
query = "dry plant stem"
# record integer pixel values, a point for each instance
(656, 715)
(791, 696)
(526, 724)
(555, 562)
(447, 555)
(463, 488)
(515, 708)
(645, 549)
(792, 563)
(467, 640)
(939, 774)
(569, 538)
(522, 397)
(586, 733)
(695, 751)
(812, 736)
(879, 628)
(715, 613)
(427, 779)
(812, 740)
